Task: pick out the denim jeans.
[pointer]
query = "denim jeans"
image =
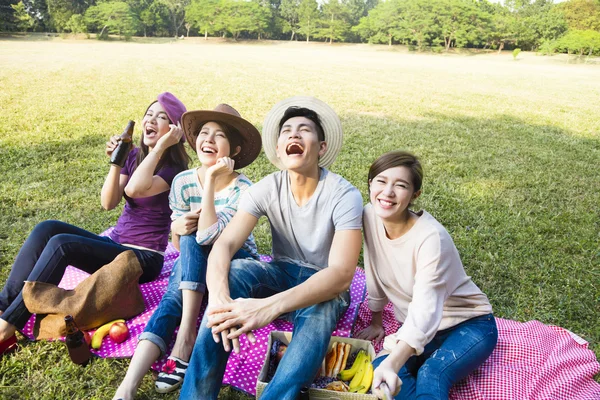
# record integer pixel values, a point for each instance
(189, 273)
(49, 249)
(450, 356)
(313, 326)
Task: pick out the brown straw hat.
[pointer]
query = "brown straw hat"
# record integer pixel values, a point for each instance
(250, 139)
(332, 127)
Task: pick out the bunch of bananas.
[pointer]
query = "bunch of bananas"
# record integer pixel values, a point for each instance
(360, 374)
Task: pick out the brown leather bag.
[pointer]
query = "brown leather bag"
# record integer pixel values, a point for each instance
(110, 293)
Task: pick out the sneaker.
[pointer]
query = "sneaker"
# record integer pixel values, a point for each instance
(171, 376)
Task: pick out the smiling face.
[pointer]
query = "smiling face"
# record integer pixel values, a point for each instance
(298, 144)
(391, 192)
(155, 124)
(212, 143)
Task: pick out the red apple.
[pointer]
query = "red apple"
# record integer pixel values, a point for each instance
(118, 332)
(87, 337)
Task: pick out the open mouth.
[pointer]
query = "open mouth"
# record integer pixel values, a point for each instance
(150, 131)
(385, 203)
(294, 149)
(208, 150)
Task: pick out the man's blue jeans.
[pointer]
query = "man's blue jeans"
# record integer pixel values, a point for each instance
(452, 355)
(312, 330)
(189, 273)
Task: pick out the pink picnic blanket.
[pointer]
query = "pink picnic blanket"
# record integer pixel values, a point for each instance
(532, 361)
(242, 369)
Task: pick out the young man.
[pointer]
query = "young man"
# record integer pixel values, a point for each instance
(315, 217)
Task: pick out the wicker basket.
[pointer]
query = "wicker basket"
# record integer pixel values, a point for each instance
(320, 394)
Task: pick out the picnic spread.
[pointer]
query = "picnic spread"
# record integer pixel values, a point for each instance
(531, 360)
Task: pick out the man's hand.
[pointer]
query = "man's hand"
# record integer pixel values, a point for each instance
(386, 373)
(241, 316)
(373, 331)
(187, 223)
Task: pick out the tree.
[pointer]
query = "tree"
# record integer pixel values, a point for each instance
(288, 9)
(60, 11)
(206, 15)
(382, 24)
(503, 28)
(113, 16)
(308, 14)
(581, 14)
(76, 24)
(456, 19)
(6, 15)
(148, 20)
(578, 41)
(23, 20)
(261, 16)
(334, 25)
(176, 9)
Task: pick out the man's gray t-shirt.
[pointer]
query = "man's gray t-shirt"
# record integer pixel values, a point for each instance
(305, 233)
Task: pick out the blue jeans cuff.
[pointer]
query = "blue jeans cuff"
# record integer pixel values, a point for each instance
(191, 285)
(157, 340)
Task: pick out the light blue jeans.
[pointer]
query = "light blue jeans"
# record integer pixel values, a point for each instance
(313, 326)
(452, 355)
(189, 273)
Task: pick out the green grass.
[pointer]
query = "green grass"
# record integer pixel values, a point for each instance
(510, 152)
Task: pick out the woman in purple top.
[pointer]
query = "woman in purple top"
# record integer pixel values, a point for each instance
(143, 226)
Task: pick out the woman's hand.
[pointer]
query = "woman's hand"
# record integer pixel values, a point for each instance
(186, 224)
(170, 138)
(373, 331)
(386, 373)
(112, 144)
(223, 166)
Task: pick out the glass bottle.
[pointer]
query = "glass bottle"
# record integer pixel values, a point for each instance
(119, 155)
(79, 350)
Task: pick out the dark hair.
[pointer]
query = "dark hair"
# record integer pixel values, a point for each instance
(292, 112)
(175, 156)
(398, 158)
(233, 136)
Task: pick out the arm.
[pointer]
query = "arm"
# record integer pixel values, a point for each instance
(219, 260)
(377, 298)
(388, 370)
(324, 285)
(209, 217)
(143, 182)
(185, 222)
(114, 184)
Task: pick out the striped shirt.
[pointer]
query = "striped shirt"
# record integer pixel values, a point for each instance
(186, 196)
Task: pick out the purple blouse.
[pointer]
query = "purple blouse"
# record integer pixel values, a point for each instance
(146, 221)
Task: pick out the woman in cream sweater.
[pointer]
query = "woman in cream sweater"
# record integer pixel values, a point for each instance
(448, 328)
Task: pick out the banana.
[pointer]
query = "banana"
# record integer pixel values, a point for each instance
(367, 380)
(349, 373)
(101, 332)
(356, 381)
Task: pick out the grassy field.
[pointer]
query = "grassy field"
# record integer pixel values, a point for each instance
(511, 152)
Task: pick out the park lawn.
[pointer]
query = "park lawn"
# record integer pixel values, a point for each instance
(510, 151)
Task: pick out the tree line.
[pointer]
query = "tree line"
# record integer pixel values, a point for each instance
(540, 25)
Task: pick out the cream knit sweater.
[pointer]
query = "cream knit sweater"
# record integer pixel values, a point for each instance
(422, 275)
